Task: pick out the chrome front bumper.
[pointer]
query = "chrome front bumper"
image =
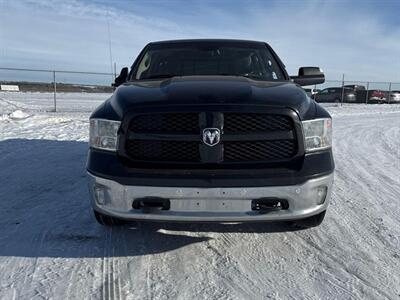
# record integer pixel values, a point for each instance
(209, 204)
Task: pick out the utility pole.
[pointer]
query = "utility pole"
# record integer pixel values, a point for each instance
(54, 91)
(342, 91)
(109, 46)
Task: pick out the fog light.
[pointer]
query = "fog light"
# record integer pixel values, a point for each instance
(99, 194)
(321, 194)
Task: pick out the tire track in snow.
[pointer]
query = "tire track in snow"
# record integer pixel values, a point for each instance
(10, 103)
(49, 272)
(149, 278)
(116, 266)
(110, 270)
(30, 276)
(19, 106)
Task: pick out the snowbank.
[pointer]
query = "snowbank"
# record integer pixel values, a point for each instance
(18, 114)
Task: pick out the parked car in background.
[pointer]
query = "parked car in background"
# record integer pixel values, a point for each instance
(360, 91)
(355, 87)
(377, 96)
(395, 96)
(334, 94)
(311, 92)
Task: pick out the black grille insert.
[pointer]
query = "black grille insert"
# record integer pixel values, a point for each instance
(256, 122)
(251, 151)
(166, 122)
(168, 151)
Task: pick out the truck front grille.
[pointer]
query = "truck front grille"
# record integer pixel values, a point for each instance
(176, 138)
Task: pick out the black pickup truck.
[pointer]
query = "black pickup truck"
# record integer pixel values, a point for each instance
(210, 131)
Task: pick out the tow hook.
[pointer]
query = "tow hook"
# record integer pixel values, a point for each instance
(265, 205)
(148, 204)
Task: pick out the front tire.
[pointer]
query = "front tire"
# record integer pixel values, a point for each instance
(310, 222)
(105, 220)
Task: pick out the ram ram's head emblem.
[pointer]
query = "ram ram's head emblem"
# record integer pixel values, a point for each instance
(211, 136)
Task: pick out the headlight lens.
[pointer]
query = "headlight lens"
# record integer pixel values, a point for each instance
(104, 134)
(317, 134)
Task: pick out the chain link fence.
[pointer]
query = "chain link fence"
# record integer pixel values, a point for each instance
(54, 90)
(60, 90)
(353, 91)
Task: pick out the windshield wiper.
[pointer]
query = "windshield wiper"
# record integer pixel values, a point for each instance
(160, 75)
(251, 76)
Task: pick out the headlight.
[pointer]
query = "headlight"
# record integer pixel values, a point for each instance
(317, 134)
(103, 134)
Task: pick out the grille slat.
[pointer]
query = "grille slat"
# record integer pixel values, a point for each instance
(257, 147)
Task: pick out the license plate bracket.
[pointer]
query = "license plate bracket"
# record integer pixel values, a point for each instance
(211, 205)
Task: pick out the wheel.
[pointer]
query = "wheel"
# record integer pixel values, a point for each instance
(107, 220)
(312, 221)
(337, 100)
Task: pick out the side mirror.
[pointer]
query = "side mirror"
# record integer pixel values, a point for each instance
(309, 76)
(122, 77)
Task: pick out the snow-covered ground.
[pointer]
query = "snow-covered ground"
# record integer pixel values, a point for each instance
(65, 102)
(51, 246)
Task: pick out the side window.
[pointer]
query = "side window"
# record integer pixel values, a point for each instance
(325, 91)
(144, 65)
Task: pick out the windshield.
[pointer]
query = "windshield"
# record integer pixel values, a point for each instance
(255, 62)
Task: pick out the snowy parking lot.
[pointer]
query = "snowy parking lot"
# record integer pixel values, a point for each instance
(52, 248)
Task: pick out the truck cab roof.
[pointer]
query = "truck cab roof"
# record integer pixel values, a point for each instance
(223, 41)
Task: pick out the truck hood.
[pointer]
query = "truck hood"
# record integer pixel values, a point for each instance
(203, 90)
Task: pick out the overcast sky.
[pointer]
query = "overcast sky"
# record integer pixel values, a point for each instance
(360, 39)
